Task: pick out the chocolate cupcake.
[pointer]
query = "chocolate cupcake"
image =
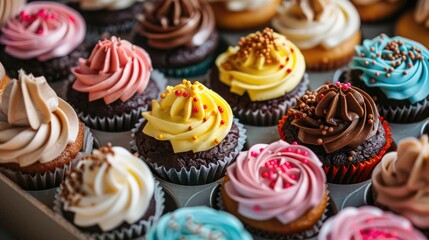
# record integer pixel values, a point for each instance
(190, 136)
(110, 194)
(42, 137)
(394, 71)
(260, 77)
(341, 124)
(114, 85)
(180, 36)
(46, 39)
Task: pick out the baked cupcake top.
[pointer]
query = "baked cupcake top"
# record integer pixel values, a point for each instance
(400, 180)
(115, 70)
(111, 5)
(335, 116)
(4, 79)
(421, 14)
(190, 116)
(313, 23)
(9, 8)
(198, 223)
(264, 64)
(397, 66)
(172, 24)
(242, 5)
(35, 125)
(107, 188)
(43, 30)
(368, 223)
(276, 180)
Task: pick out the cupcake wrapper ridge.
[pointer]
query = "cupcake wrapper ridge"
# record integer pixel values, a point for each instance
(189, 71)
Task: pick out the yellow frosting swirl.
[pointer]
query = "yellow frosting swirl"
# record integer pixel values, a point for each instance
(264, 64)
(190, 116)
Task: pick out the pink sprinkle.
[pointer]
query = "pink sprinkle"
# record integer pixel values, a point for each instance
(293, 177)
(305, 153)
(254, 154)
(288, 149)
(256, 208)
(267, 165)
(72, 19)
(264, 174)
(40, 31)
(338, 84)
(272, 185)
(42, 13)
(298, 151)
(23, 14)
(349, 84)
(305, 161)
(294, 143)
(286, 185)
(261, 149)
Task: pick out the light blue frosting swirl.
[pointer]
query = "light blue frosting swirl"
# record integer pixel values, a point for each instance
(409, 78)
(198, 223)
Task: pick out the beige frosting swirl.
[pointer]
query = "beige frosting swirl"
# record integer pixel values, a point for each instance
(9, 8)
(35, 125)
(242, 5)
(112, 5)
(421, 14)
(401, 180)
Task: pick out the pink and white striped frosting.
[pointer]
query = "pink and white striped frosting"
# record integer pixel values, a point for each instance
(368, 223)
(278, 180)
(43, 30)
(116, 69)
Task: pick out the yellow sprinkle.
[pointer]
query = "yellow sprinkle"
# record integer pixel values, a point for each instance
(214, 112)
(184, 81)
(197, 83)
(168, 91)
(201, 87)
(163, 95)
(160, 136)
(195, 137)
(216, 140)
(194, 87)
(188, 83)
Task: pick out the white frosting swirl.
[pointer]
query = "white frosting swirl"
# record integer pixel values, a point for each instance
(35, 125)
(242, 5)
(338, 21)
(92, 5)
(108, 188)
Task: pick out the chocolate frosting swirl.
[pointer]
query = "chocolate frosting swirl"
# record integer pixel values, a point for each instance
(175, 23)
(335, 116)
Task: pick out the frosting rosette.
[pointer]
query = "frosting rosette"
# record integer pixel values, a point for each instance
(242, 5)
(264, 64)
(115, 70)
(190, 116)
(397, 66)
(400, 180)
(421, 14)
(335, 116)
(108, 188)
(313, 23)
(368, 223)
(198, 223)
(112, 5)
(43, 30)
(278, 180)
(9, 8)
(172, 24)
(35, 125)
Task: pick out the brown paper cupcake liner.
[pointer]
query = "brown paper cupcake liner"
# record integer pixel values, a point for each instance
(136, 230)
(49, 179)
(123, 122)
(193, 175)
(330, 65)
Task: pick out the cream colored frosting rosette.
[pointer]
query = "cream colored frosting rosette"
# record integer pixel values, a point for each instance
(108, 188)
(242, 5)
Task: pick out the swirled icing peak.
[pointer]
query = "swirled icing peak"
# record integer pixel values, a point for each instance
(35, 125)
(398, 66)
(276, 180)
(312, 23)
(9, 8)
(335, 116)
(264, 64)
(198, 223)
(108, 188)
(43, 30)
(368, 223)
(112, 5)
(421, 14)
(401, 180)
(190, 116)
(115, 70)
(170, 24)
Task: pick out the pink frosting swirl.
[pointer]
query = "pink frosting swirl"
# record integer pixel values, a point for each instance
(278, 180)
(116, 69)
(43, 30)
(368, 223)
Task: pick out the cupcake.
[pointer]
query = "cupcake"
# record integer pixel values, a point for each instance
(110, 194)
(4, 79)
(377, 10)
(243, 14)
(45, 38)
(341, 124)
(414, 24)
(277, 188)
(114, 85)
(41, 136)
(326, 32)
(394, 72)
(198, 223)
(368, 223)
(190, 136)
(260, 77)
(400, 181)
(180, 36)
(9, 9)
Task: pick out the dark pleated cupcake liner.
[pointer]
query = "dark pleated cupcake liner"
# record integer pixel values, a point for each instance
(49, 179)
(189, 71)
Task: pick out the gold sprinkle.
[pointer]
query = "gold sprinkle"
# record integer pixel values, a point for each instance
(163, 95)
(216, 140)
(160, 136)
(194, 137)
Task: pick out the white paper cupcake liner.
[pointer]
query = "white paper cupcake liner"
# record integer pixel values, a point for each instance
(136, 230)
(194, 176)
(125, 121)
(49, 179)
